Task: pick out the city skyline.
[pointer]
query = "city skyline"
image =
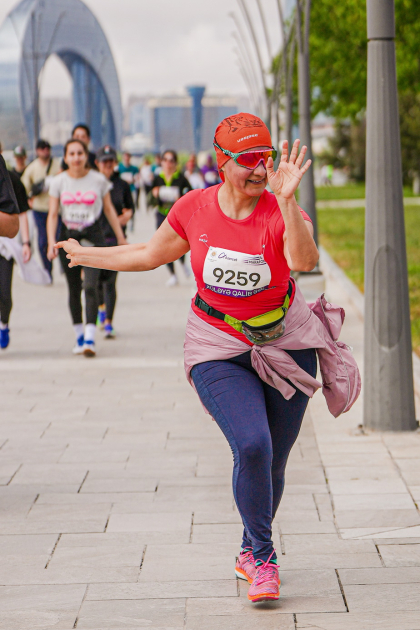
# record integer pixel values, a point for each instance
(197, 42)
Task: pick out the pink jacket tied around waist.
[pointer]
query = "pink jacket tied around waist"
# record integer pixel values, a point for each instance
(315, 325)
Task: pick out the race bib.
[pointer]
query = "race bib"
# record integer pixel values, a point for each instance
(168, 194)
(234, 273)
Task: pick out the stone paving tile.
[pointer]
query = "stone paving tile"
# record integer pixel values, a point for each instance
(189, 562)
(380, 518)
(403, 575)
(241, 622)
(331, 560)
(168, 590)
(324, 543)
(400, 555)
(383, 598)
(40, 607)
(367, 486)
(359, 621)
(373, 502)
(159, 614)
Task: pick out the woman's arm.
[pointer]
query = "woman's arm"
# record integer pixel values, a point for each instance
(165, 246)
(52, 222)
(112, 216)
(300, 250)
(24, 232)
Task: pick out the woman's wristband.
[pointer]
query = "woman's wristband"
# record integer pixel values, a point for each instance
(27, 243)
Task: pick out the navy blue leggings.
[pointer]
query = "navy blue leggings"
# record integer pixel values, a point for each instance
(261, 427)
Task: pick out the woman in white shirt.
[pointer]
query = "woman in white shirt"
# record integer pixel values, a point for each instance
(79, 194)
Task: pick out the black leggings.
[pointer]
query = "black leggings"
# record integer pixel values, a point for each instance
(159, 220)
(90, 285)
(107, 290)
(6, 273)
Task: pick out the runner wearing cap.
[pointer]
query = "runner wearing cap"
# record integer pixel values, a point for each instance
(36, 179)
(244, 241)
(20, 157)
(121, 197)
(80, 194)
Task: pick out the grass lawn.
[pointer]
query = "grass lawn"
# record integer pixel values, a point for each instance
(342, 235)
(349, 191)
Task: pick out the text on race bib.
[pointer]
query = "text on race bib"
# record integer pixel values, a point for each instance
(235, 274)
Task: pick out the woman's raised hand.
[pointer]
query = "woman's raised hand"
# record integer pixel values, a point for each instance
(290, 171)
(72, 247)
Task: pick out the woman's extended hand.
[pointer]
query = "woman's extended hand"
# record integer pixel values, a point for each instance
(72, 247)
(290, 171)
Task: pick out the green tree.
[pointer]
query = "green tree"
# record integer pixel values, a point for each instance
(338, 48)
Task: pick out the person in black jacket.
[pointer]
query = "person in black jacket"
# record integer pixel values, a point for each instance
(9, 210)
(121, 197)
(168, 187)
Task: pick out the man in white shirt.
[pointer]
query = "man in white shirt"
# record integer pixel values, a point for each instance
(36, 179)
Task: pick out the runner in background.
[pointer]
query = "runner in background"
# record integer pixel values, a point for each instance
(129, 173)
(9, 209)
(146, 177)
(36, 179)
(122, 199)
(192, 173)
(7, 255)
(167, 187)
(20, 157)
(82, 132)
(80, 194)
(210, 173)
(157, 166)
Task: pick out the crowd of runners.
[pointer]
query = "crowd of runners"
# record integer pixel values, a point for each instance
(252, 341)
(91, 197)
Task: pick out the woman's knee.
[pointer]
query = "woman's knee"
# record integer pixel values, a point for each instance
(256, 451)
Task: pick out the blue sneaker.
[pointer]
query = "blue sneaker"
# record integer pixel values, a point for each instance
(100, 320)
(78, 348)
(109, 331)
(4, 338)
(89, 349)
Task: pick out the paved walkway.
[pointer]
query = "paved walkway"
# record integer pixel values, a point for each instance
(116, 509)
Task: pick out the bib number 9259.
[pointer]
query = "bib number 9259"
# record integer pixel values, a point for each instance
(241, 278)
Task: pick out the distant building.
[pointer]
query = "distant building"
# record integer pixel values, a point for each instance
(172, 123)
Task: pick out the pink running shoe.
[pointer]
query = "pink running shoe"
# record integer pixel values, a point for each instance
(245, 568)
(265, 586)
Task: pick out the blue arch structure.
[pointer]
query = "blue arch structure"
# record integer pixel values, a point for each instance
(36, 29)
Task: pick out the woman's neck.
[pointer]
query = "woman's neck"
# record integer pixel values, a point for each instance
(77, 173)
(235, 204)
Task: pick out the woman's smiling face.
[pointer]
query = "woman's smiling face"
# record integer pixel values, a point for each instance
(251, 183)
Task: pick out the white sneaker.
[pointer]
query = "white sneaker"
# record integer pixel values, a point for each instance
(173, 281)
(78, 348)
(89, 349)
(187, 271)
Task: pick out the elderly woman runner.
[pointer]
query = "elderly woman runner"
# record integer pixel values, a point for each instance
(244, 241)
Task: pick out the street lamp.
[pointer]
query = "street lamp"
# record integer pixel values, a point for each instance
(388, 382)
(307, 185)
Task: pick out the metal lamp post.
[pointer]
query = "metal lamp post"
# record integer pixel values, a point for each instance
(388, 382)
(307, 186)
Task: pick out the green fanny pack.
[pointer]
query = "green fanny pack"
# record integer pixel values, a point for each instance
(258, 330)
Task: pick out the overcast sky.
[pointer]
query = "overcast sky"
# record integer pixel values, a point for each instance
(160, 46)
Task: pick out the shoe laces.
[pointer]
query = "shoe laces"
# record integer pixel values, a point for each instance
(266, 571)
(248, 556)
